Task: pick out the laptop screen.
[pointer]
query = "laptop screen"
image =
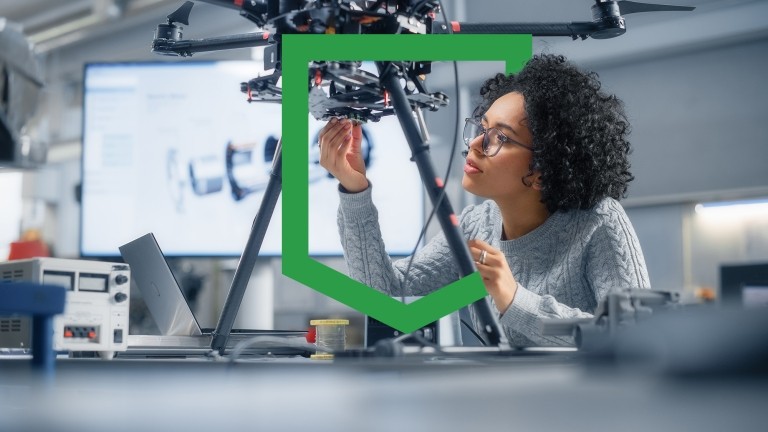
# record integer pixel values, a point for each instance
(162, 293)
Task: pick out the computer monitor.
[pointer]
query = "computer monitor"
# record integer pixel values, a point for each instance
(744, 285)
(174, 148)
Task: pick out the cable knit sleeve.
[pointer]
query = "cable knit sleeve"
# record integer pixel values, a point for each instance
(611, 258)
(522, 323)
(367, 259)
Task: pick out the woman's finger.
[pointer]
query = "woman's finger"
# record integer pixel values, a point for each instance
(330, 139)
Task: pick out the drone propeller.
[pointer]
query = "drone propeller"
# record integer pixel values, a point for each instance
(608, 20)
(628, 7)
(181, 15)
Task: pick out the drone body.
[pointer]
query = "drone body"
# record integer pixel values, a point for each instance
(341, 89)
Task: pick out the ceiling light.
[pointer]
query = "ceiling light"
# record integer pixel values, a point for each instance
(735, 208)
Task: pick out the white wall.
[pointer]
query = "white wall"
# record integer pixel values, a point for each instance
(699, 121)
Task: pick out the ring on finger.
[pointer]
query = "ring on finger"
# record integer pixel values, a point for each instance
(483, 254)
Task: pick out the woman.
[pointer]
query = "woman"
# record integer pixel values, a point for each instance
(548, 151)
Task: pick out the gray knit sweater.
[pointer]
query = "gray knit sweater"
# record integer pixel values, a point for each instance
(563, 268)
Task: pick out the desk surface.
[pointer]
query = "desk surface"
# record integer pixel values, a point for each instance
(533, 392)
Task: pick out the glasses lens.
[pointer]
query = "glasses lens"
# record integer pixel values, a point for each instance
(471, 131)
(492, 142)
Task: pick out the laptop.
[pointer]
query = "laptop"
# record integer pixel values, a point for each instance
(166, 302)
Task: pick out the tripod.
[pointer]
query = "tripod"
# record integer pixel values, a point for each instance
(389, 75)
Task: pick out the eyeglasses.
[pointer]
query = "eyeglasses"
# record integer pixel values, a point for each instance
(493, 138)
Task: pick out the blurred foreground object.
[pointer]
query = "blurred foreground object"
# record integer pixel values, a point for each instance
(30, 245)
(652, 330)
(41, 302)
(20, 83)
(28, 249)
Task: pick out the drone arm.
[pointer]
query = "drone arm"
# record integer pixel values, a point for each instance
(574, 29)
(188, 47)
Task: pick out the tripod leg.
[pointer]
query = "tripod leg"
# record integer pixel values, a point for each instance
(390, 80)
(250, 253)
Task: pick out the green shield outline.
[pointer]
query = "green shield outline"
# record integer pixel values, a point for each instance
(297, 52)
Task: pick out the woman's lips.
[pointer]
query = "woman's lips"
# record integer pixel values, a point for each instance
(471, 168)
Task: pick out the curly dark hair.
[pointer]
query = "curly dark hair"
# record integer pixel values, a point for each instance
(579, 132)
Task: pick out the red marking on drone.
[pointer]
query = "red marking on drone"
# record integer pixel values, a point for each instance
(456, 26)
(265, 36)
(439, 182)
(454, 219)
(318, 78)
(386, 98)
(238, 3)
(250, 98)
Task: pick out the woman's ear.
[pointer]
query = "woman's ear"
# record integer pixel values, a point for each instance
(536, 185)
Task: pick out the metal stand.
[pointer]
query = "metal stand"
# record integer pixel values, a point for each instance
(390, 80)
(250, 253)
(43, 356)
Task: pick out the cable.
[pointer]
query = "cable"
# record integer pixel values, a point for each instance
(469, 327)
(448, 170)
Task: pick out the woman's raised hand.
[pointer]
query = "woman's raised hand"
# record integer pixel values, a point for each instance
(341, 154)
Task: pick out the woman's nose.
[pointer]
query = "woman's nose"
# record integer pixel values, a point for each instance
(476, 143)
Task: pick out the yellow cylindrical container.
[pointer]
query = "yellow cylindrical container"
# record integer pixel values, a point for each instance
(330, 337)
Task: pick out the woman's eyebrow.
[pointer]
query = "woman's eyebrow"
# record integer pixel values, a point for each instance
(501, 125)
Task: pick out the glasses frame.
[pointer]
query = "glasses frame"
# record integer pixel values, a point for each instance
(476, 122)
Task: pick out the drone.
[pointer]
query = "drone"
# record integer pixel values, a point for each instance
(344, 89)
